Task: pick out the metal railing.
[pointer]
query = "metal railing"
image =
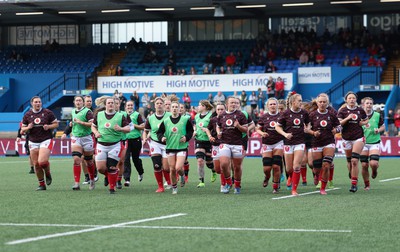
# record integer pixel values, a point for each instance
(69, 81)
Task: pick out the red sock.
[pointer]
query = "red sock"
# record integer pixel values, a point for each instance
(91, 171)
(295, 180)
(228, 181)
(41, 182)
(223, 180)
(237, 183)
(186, 166)
(303, 171)
(167, 177)
(77, 173)
(159, 178)
(112, 179)
(354, 180)
(119, 178)
(275, 185)
(366, 183)
(331, 169)
(323, 184)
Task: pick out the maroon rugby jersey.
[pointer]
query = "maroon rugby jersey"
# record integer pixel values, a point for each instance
(212, 126)
(352, 129)
(324, 123)
(293, 122)
(230, 134)
(37, 134)
(267, 122)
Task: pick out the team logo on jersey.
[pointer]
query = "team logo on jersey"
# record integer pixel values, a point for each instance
(107, 125)
(37, 121)
(272, 124)
(201, 124)
(174, 129)
(151, 149)
(264, 148)
(73, 141)
(214, 152)
(287, 148)
(367, 125)
(221, 146)
(323, 123)
(296, 121)
(229, 122)
(354, 117)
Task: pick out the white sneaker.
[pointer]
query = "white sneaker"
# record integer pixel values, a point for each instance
(92, 184)
(226, 189)
(222, 188)
(166, 186)
(175, 190)
(140, 178)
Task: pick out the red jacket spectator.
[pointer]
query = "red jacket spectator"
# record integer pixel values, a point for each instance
(371, 61)
(230, 60)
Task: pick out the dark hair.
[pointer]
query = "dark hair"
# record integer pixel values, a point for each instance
(349, 93)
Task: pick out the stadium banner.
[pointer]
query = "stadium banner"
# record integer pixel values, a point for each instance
(390, 146)
(378, 23)
(314, 75)
(192, 83)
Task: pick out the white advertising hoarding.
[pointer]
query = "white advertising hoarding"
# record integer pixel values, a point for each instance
(189, 83)
(308, 75)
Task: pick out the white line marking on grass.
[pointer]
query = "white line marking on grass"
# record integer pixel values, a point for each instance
(185, 228)
(302, 194)
(38, 238)
(245, 229)
(391, 179)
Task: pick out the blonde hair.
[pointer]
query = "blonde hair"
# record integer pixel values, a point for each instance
(290, 98)
(206, 104)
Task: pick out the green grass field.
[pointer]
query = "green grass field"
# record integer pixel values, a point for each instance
(138, 219)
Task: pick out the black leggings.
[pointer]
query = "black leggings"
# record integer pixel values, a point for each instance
(134, 148)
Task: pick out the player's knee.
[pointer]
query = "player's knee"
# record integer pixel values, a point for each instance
(277, 160)
(327, 159)
(364, 159)
(267, 161)
(157, 163)
(317, 163)
(374, 157)
(200, 155)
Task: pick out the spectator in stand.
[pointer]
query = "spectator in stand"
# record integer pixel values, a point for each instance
(132, 44)
(47, 47)
(122, 101)
(170, 71)
(221, 70)
(230, 60)
(163, 71)
(371, 61)
(253, 99)
(372, 50)
(397, 121)
(208, 61)
(229, 70)
(111, 71)
(252, 61)
(135, 98)
(311, 58)
(239, 59)
(120, 72)
(210, 98)
(357, 60)
(346, 61)
(270, 87)
(319, 58)
(261, 59)
(303, 59)
(145, 100)
(279, 88)
(171, 59)
(186, 100)
(271, 68)
(271, 55)
(243, 100)
(55, 46)
(193, 70)
(219, 97)
(218, 60)
(152, 101)
(206, 70)
(183, 71)
(392, 131)
(261, 99)
(178, 72)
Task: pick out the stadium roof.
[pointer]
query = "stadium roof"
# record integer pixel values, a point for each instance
(135, 10)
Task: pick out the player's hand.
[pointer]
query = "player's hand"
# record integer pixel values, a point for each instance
(45, 127)
(18, 139)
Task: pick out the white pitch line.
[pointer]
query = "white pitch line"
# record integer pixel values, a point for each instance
(189, 228)
(32, 239)
(245, 229)
(302, 194)
(391, 179)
